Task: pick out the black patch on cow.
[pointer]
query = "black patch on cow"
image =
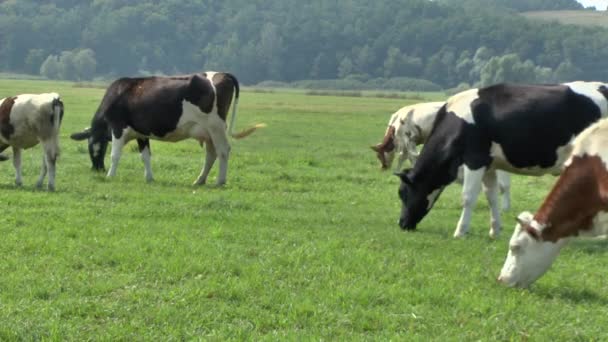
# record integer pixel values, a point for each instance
(6, 128)
(530, 122)
(226, 85)
(142, 144)
(604, 91)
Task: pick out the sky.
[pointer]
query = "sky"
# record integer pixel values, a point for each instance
(599, 4)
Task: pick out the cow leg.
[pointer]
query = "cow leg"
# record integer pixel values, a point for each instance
(222, 149)
(470, 192)
(210, 158)
(490, 188)
(117, 145)
(504, 185)
(146, 154)
(51, 152)
(17, 165)
(43, 171)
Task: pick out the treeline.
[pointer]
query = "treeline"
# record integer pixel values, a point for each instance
(411, 43)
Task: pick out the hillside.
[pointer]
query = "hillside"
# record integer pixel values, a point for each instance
(392, 44)
(584, 18)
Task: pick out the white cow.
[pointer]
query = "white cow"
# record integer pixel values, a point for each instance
(576, 206)
(25, 121)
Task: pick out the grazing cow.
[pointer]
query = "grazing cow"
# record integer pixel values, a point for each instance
(25, 121)
(408, 127)
(167, 109)
(411, 126)
(524, 129)
(577, 205)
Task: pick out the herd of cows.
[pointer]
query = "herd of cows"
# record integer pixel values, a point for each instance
(523, 129)
(481, 135)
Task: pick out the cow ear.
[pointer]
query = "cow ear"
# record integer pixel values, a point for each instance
(409, 117)
(82, 135)
(377, 148)
(524, 218)
(403, 175)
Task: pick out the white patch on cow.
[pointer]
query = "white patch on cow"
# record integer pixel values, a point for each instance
(460, 104)
(117, 145)
(145, 157)
(592, 142)
(470, 191)
(96, 149)
(432, 197)
(590, 90)
(413, 126)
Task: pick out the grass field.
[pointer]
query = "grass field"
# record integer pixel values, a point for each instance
(584, 18)
(302, 244)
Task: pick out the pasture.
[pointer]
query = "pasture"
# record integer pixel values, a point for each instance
(302, 243)
(582, 17)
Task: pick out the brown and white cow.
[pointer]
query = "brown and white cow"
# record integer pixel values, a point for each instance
(167, 109)
(576, 206)
(407, 128)
(25, 121)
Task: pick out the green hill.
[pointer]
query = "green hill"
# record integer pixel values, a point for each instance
(584, 18)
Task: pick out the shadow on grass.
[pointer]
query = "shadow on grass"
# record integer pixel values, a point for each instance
(590, 246)
(575, 296)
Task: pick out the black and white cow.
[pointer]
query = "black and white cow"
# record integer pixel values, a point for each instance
(525, 129)
(25, 121)
(167, 109)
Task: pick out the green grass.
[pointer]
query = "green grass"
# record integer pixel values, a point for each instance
(302, 244)
(584, 18)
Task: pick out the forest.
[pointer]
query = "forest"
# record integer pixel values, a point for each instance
(398, 44)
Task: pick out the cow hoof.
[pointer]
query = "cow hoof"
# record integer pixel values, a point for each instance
(149, 180)
(39, 185)
(19, 183)
(460, 235)
(198, 182)
(51, 188)
(494, 235)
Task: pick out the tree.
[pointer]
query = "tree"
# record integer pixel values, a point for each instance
(85, 64)
(50, 67)
(33, 61)
(345, 68)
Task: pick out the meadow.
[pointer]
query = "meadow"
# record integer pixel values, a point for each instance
(301, 244)
(584, 18)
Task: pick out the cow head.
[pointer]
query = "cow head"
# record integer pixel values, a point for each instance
(385, 151)
(417, 200)
(98, 137)
(529, 257)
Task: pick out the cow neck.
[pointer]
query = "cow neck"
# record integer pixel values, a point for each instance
(574, 201)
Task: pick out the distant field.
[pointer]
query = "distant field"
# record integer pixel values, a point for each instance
(302, 244)
(585, 18)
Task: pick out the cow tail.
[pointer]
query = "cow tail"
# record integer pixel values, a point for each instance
(57, 113)
(247, 130)
(236, 102)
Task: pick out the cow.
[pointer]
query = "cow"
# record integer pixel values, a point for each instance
(25, 121)
(519, 128)
(577, 205)
(411, 126)
(167, 109)
(408, 127)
